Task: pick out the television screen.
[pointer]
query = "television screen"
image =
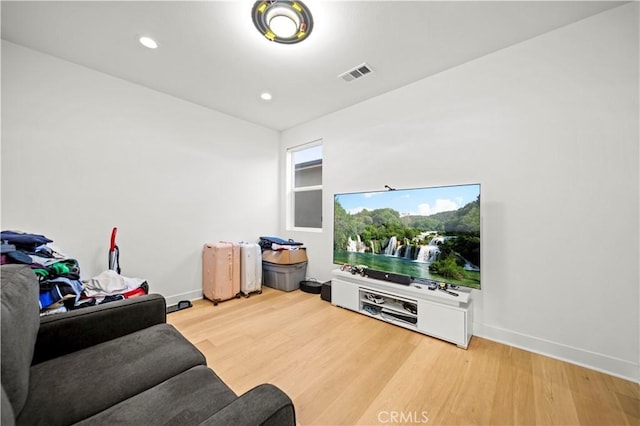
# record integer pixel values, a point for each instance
(428, 234)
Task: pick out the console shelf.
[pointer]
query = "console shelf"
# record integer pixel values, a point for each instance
(413, 306)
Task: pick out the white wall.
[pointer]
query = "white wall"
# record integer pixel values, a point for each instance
(549, 127)
(83, 152)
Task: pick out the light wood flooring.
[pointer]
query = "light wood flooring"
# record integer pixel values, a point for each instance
(343, 368)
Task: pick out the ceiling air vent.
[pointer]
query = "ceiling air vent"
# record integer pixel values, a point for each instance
(355, 73)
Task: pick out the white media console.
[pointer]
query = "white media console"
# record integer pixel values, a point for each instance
(415, 307)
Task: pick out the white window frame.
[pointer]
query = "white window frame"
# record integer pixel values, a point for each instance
(291, 188)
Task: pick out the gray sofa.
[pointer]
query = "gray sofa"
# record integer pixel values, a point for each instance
(117, 363)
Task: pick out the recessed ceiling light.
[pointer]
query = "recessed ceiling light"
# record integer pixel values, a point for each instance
(282, 21)
(148, 42)
(266, 96)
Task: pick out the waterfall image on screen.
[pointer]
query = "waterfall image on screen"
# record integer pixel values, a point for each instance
(426, 233)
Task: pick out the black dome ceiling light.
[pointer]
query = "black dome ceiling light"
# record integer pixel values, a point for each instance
(282, 21)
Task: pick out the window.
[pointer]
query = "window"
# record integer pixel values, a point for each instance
(304, 177)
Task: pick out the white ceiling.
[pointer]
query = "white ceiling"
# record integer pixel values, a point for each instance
(211, 54)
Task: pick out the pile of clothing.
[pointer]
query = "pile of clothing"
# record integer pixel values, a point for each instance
(109, 286)
(61, 288)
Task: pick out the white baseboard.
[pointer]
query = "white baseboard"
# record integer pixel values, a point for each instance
(190, 295)
(603, 363)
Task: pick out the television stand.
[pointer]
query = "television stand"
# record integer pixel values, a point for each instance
(414, 306)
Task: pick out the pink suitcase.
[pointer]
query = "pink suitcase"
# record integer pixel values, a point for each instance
(250, 268)
(220, 271)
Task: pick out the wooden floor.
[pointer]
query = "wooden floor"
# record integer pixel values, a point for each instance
(342, 368)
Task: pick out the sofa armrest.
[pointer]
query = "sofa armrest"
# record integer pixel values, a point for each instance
(263, 405)
(61, 334)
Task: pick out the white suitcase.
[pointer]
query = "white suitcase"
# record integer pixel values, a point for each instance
(250, 268)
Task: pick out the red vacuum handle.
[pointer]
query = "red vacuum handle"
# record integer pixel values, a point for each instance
(113, 240)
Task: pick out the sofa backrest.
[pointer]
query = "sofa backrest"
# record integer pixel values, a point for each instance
(20, 319)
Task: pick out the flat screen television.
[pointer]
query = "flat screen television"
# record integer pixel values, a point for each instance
(428, 234)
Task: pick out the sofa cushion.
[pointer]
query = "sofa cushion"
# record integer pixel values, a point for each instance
(186, 399)
(72, 387)
(20, 320)
(78, 329)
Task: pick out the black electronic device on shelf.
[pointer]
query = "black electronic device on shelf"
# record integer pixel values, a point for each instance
(396, 315)
(388, 276)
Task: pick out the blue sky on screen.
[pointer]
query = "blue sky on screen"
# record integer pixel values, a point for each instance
(422, 201)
